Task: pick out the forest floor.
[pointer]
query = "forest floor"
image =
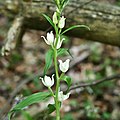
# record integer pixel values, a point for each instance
(92, 61)
(99, 102)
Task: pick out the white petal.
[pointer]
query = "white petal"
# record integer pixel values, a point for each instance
(64, 66)
(62, 97)
(60, 61)
(43, 81)
(66, 96)
(59, 42)
(50, 37)
(46, 40)
(61, 23)
(67, 63)
(48, 81)
(55, 21)
(52, 82)
(60, 65)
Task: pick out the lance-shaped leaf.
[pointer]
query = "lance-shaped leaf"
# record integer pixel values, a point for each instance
(49, 19)
(48, 60)
(64, 3)
(75, 26)
(34, 98)
(62, 51)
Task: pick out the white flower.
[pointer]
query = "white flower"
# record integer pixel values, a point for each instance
(50, 38)
(61, 23)
(59, 43)
(47, 81)
(64, 66)
(62, 97)
(55, 21)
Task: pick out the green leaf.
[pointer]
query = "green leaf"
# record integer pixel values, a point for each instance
(64, 3)
(75, 26)
(48, 60)
(34, 98)
(51, 108)
(49, 19)
(68, 80)
(70, 53)
(62, 51)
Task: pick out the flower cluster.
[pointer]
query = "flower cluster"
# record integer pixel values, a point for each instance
(61, 22)
(49, 82)
(64, 66)
(55, 42)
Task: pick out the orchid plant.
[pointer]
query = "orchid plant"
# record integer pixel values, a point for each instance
(54, 40)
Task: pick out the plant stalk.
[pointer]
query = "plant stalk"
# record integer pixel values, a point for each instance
(57, 104)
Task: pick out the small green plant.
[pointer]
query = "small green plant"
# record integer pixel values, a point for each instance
(55, 42)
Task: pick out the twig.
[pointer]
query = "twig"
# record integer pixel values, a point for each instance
(96, 82)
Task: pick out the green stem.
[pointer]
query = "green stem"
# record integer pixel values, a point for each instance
(57, 35)
(58, 4)
(57, 104)
(51, 92)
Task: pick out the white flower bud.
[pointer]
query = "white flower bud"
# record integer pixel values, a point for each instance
(61, 23)
(47, 81)
(50, 38)
(62, 97)
(64, 66)
(55, 20)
